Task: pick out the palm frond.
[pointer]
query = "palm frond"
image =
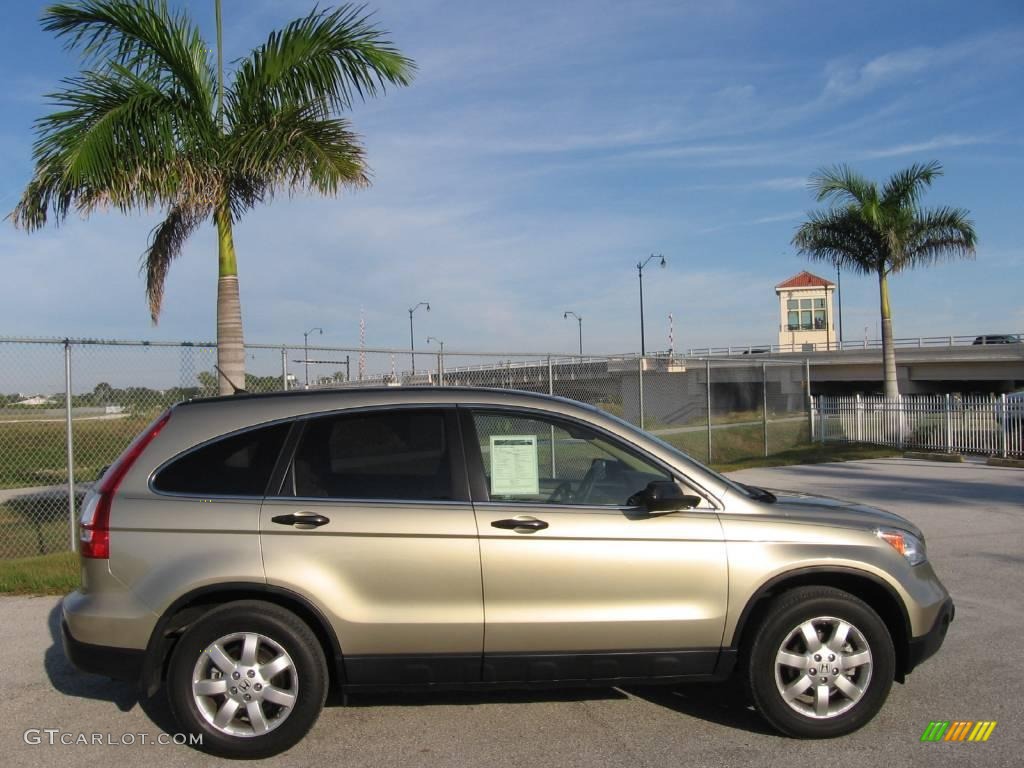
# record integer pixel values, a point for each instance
(165, 243)
(326, 59)
(937, 235)
(117, 139)
(841, 185)
(841, 237)
(299, 150)
(904, 188)
(140, 35)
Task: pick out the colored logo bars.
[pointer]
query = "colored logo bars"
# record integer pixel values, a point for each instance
(958, 730)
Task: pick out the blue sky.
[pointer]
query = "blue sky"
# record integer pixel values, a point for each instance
(544, 148)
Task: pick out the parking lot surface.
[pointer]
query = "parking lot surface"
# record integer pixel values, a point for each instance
(972, 515)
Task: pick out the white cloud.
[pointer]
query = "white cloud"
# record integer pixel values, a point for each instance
(930, 145)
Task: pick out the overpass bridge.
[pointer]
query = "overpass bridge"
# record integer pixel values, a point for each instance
(675, 385)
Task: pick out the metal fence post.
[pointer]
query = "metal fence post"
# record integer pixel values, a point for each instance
(949, 423)
(70, 442)
(1002, 424)
(707, 364)
(902, 416)
(284, 368)
(551, 391)
(809, 399)
(640, 379)
(860, 419)
(764, 403)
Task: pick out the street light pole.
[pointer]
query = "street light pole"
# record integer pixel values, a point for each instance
(640, 272)
(839, 297)
(579, 320)
(305, 345)
(440, 359)
(412, 339)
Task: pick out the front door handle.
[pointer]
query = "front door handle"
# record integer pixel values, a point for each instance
(521, 524)
(303, 520)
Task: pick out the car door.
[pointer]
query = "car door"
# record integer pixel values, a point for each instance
(578, 583)
(374, 525)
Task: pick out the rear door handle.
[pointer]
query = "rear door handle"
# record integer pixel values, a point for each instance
(302, 520)
(523, 524)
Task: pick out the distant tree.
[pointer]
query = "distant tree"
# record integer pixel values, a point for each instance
(207, 382)
(101, 393)
(883, 232)
(149, 123)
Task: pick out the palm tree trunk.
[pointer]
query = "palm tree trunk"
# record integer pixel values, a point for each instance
(230, 345)
(888, 351)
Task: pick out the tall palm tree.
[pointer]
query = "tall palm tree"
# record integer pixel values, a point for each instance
(148, 124)
(882, 232)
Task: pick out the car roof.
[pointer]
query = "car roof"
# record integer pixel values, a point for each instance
(391, 393)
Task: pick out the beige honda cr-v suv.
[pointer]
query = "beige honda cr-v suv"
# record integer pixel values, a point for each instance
(246, 552)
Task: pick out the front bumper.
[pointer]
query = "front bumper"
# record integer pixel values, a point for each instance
(118, 663)
(924, 647)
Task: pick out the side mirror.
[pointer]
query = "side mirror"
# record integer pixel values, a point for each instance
(663, 496)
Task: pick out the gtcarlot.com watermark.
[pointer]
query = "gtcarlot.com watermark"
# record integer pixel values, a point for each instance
(56, 737)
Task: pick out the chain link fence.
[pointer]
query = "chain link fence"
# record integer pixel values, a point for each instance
(69, 407)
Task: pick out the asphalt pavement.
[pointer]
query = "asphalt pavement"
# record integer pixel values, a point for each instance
(972, 515)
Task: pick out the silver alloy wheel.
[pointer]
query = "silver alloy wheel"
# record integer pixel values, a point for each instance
(823, 667)
(245, 684)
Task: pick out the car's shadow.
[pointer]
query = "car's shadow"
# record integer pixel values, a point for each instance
(714, 703)
(719, 703)
(125, 696)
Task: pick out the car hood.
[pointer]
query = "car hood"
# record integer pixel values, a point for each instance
(797, 506)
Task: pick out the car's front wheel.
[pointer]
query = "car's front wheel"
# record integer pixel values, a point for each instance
(249, 677)
(821, 664)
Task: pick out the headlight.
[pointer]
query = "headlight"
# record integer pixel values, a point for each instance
(907, 544)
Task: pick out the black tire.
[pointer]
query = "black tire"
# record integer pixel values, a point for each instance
(785, 614)
(283, 628)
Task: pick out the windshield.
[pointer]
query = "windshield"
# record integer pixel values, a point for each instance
(744, 490)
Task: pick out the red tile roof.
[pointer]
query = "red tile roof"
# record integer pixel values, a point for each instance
(805, 280)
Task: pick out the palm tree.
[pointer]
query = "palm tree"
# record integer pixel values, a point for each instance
(149, 124)
(882, 232)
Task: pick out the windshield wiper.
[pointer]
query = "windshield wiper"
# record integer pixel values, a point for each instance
(760, 494)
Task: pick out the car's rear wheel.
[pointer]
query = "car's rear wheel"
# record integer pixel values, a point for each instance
(821, 664)
(249, 677)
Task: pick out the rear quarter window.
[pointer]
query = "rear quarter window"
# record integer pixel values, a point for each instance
(237, 465)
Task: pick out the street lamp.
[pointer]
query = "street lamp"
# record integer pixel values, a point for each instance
(305, 344)
(412, 342)
(839, 299)
(579, 320)
(440, 359)
(640, 272)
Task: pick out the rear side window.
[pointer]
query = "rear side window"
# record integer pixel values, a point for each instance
(239, 465)
(400, 454)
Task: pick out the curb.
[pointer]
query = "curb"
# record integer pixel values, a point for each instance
(993, 461)
(955, 458)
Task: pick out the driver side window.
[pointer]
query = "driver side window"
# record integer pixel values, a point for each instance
(539, 461)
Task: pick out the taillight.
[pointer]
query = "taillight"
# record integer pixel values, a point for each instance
(94, 527)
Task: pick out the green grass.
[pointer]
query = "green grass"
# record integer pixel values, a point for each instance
(731, 444)
(54, 574)
(33, 526)
(817, 453)
(34, 453)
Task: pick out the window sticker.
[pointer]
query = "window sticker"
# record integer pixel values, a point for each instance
(514, 465)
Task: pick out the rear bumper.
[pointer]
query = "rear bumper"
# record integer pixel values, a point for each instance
(924, 647)
(118, 663)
